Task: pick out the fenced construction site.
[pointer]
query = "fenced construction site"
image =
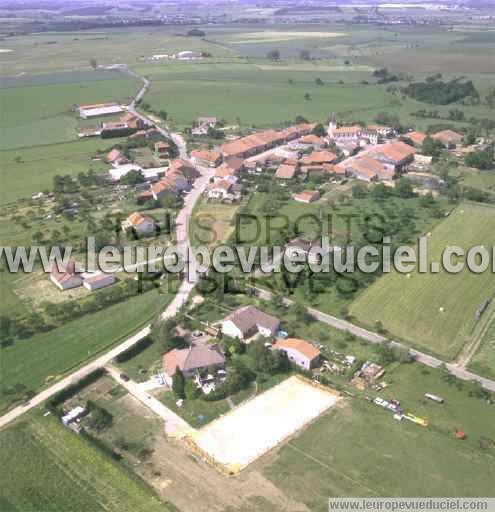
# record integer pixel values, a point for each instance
(241, 436)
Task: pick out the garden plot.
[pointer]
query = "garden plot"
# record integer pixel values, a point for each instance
(241, 436)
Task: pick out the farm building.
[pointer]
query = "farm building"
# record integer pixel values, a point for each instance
(98, 280)
(65, 277)
(249, 321)
(150, 174)
(99, 109)
(299, 352)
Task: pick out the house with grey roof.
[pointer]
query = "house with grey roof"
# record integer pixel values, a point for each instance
(248, 321)
(192, 360)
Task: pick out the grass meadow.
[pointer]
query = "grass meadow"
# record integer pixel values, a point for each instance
(50, 468)
(410, 308)
(26, 171)
(263, 94)
(483, 361)
(357, 449)
(34, 115)
(45, 357)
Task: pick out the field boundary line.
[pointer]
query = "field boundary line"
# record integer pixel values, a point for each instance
(326, 466)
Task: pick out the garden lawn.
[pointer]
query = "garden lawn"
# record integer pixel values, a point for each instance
(359, 450)
(435, 311)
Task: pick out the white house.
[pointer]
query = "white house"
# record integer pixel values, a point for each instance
(248, 321)
(299, 352)
(219, 189)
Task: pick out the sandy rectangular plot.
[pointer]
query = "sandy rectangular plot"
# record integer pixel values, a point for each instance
(252, 429)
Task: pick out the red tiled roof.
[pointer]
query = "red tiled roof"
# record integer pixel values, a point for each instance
(209, 156)
(301, 346)
(319, 157)
(396, 151)
(286, 171)
(113, 155)
(307, 195)
(137, 218)
(417, 137)
(447, 137)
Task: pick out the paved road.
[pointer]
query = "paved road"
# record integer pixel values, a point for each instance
(172, 309)
(373, 337)
(175, 426)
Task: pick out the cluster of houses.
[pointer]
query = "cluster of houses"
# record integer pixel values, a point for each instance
(205, 362)
(66, 277)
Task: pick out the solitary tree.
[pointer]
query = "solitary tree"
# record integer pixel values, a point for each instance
(93, 63)
(307, 96)
(273, 55)
(179, 383)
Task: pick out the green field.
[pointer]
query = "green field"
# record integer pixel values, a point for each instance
(39, 164)
(212, 223)
(483, 361)
(47, 467)
(262, 94)
(410, 308)
(57, 51)
(359, 450)
(45, 356)
(34, 115)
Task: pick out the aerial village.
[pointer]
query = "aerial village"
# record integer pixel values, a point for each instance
(198, 362)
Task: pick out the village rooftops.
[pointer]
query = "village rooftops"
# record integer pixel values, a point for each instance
(367, 168)
(192, 358)
(319, 157)
(312, 139)
(301, 346)
(348, 130)
(396, 151)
